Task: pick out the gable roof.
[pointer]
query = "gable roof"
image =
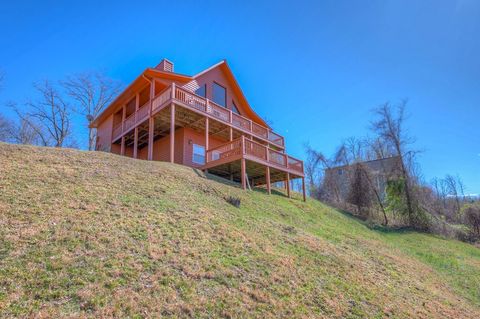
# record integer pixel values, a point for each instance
(150, 73)
(223, 65)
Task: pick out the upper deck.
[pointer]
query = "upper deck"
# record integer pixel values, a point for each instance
(201, 105)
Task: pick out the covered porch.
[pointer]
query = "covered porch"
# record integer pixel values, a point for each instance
(253, 164)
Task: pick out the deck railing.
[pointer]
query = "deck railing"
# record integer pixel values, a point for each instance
(161, 98)
(206, 106)
(203, 105)
(262, 153)
(233, 148)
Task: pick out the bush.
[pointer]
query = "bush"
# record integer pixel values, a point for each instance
(471, 216)
(234, 201)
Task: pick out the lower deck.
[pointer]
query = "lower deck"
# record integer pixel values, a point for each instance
(175, 133)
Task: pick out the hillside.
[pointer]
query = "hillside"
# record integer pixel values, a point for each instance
(88, 234)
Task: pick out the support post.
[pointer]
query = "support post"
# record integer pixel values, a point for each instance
(152, 95)
(122, 146)
(151, 121)
(303, 189)
(206, 134)
(243, 145)
(151, 127)
(288, 185)
(267, 177)
(231, 134)
(244, 173)
(124, 116)
(135, 132)
(135, 143)
(172, 133)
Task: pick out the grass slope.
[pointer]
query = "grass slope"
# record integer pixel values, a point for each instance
(87, 234)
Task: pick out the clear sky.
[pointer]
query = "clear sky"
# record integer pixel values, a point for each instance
(314, 69)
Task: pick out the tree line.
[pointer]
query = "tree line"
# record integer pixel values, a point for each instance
(48, 118)
(395, 197)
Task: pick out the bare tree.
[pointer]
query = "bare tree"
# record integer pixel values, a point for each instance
(6, 128)
(92, 92)
(26, 133)
(389, 126)
(327, 189)
(378, 148)
(313, 169)
(360, 192)
(453, 191)
(48, 117)
(472, 217)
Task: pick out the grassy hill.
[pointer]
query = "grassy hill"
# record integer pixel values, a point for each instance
(87, 234)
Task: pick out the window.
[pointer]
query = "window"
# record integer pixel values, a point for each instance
(198, 154)
(234, 108)
(202, 90)
(219, 94)
(215, 155)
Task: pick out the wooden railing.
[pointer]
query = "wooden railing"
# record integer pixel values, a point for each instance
(161, 98)
(262, 153)
(117, 131)
(230, 149)
(200, 104)
(205, 105)
(143, 113)
(129, 122)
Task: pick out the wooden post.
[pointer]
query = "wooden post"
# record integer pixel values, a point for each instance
(288, 185)
(135, 133)
(151, 122)
(152, 95)
(135, 143)
(243, 145)
(267, 176)
(124, 115)
(231, 134)
(244, 173)
(303, 189)
(151, 127)
(122, 146)
(173, 90)
(206, 134)
(172, 132)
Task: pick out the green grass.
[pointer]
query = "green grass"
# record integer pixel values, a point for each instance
(87, 234)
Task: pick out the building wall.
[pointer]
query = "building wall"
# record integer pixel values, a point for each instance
(161, 149)
(193, 137)
(216, 75)
(104, 134)
(184, 140)
(380, 171)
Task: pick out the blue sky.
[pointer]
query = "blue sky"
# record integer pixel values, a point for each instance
(314, 69)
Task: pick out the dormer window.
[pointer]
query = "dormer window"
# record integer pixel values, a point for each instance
(234, 108)
(219, 94)
(202, 91)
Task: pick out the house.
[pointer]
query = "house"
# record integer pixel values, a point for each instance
(202, 121)
(380, 171)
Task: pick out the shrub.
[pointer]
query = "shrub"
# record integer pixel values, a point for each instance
(234, 201)
(471, 215)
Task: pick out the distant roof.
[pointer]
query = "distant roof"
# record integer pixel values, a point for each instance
(386, 159)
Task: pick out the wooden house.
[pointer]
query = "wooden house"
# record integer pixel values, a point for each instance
(203, 121)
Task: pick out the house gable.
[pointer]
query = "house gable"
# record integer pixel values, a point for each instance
(222, 75)
(219, 73)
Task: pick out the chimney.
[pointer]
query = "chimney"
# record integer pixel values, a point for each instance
(165, 65)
